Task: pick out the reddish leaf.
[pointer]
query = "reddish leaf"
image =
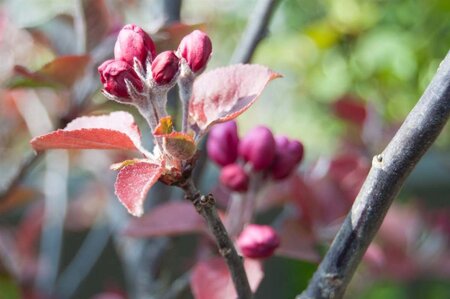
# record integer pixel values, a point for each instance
(224, 93)
(64, 70)
(113, 131)
(172, 218)
(133, 183)
(297, 242)
(351, 109)
(211, 279)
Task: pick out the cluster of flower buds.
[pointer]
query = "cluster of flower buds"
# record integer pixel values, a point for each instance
(258, 241)
(258, 151)
(136, 69)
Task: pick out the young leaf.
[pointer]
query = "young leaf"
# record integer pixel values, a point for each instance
(113, 131)
(133, 183)
(179, 145)
(165, 126)
(172, 218)
(224, 93)
(211, 279)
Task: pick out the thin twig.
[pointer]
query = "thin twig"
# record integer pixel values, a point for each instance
(256, 30)
(389, 171)
(205, 206)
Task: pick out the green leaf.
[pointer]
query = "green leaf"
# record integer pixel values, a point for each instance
(9, 288)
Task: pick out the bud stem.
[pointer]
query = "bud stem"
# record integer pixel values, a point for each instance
(185, 83)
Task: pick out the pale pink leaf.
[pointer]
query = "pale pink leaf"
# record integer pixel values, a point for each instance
(224, 93)
(211, 279)
(116, 130)
(133, 183)
(172, 218)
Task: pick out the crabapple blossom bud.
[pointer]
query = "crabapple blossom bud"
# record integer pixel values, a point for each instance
(234, 177)
(165, 67)
(258, 241)
(258, 148)
(223, 142)
(196, 48)
(113, 74)
(133, 41)
(289, 153)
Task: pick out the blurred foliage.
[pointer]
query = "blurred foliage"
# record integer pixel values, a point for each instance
(385, 52)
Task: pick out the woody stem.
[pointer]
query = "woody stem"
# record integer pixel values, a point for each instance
(205, 206)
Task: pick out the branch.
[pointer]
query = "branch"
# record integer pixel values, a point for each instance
(256, 30)
(389, 171)
(205, 206)
(171, 10)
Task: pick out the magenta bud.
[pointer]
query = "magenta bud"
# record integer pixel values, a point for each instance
(258, 148)
(133, 41)
(258, 241)
(234, 177)
(196, 48)
(165, 67)
(113, 74)
(289, 153)
(223, 142)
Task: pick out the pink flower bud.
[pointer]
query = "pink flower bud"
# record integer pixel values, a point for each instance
(165, 67)
(196, 48)
(258, 241)
(113, 74)
(133, 41)
(223, 142)
(258, 148)
(289, 153)
(234, 177)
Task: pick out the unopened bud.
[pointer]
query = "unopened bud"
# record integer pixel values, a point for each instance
(165, 67)
(196, 48)
(258, 148)
(234, 177)
(258, 241)
(113, 74)
(223, 142)
(133, 41)
(289, 153)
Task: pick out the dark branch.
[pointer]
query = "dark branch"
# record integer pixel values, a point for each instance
(389, 171)
(171, 10)
(256, 30)
(29, 162)
(205, 206)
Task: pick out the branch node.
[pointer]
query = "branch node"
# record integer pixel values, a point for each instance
(225, 252)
